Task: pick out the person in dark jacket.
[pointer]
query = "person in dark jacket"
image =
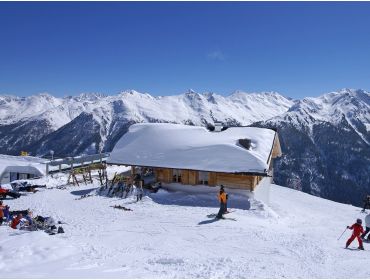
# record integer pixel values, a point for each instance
(357, 231)
(6, 213)
(367, 203)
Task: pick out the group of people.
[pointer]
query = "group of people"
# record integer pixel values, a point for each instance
(359, 233)
(24, 220)
(14, 218)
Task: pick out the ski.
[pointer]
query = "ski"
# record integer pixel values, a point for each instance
(214, 215)
(353, 249)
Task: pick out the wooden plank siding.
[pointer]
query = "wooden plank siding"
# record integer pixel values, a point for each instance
(185, 176)
(276, 151)
(163, 175)
(236, 181)
(191, 177)
(212, 178)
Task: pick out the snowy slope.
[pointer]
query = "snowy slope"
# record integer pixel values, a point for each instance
(168, 235)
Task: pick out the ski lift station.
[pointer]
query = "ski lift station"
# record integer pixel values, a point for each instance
(240, 158)
(26, 167)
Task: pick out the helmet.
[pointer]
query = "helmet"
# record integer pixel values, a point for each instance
(359, 221)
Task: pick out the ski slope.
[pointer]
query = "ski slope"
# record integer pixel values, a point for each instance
(168, 235)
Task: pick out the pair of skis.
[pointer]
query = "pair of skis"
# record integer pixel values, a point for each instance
(223, 218)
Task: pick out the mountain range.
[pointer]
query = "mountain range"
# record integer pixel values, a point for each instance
(325, 140)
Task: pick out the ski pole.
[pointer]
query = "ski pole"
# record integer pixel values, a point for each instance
(342, 233)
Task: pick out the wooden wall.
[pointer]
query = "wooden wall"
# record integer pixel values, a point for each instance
(193, 177)
(185, 177)
(190, 177)
(236, 181)
(163, 175)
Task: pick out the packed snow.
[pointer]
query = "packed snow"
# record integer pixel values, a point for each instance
(168, 235)
(195, 148)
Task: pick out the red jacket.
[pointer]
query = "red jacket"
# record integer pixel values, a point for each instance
(3, 191)
(357, 229)
(15, 222)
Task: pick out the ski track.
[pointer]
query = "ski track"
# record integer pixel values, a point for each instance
(166, 241)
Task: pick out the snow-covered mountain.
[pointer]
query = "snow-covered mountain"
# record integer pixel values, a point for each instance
(90, 122)
(326, 145)
(325, 140)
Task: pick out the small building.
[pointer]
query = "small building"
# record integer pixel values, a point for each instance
(20, 167)
(236, 157)
(26, 167)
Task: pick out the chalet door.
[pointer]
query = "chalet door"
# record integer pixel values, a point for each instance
(176, 175)
(203, 178)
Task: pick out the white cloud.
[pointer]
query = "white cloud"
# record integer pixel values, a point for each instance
(216, 55)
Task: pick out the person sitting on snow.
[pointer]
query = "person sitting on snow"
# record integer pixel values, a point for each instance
(7, 213)
(15, 222)
(367, 224)
(1, 212)
(28, 217)
(357, 231)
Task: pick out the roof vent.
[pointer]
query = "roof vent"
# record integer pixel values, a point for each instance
(246, 143)
(218, 126)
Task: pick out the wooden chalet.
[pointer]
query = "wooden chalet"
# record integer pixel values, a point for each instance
(236, 157)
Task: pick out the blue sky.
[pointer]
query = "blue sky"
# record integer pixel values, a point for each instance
(298, 49)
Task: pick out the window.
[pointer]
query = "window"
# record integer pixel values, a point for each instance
(22, 176)
(176, 175)
(13, 176)
(203, 178)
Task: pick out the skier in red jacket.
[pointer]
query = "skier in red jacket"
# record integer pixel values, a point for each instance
(357, 231)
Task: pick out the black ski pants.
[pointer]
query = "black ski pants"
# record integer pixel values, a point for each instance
(222, 210)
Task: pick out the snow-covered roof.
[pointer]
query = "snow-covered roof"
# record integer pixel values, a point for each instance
(22, 164)
(195, 148)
